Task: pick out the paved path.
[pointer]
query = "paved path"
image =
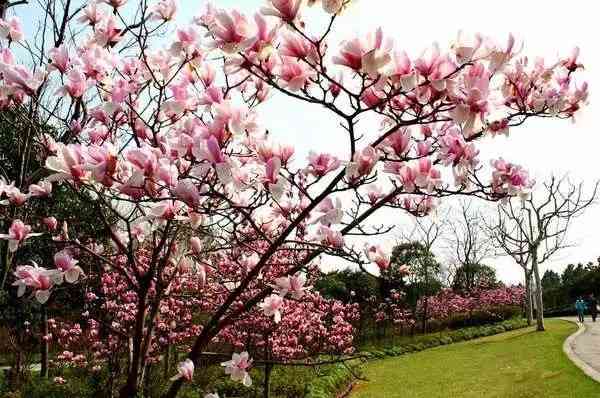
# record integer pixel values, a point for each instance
(583, 347)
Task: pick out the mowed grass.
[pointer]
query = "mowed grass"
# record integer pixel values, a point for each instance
(522, 363)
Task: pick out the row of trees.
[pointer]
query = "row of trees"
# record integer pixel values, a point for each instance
(561, 290)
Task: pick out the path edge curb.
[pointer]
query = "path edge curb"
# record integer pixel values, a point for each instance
(568, 350)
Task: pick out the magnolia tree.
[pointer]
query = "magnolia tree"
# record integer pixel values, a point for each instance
(160, 126)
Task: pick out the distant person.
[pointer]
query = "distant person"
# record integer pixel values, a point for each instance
(580, 308)
(593, 306)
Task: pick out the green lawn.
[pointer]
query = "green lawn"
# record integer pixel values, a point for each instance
(522, 363)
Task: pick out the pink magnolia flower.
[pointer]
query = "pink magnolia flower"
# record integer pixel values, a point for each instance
(196, 245)
(185, 370)
(106, 32)
(69, 164)
(272, 306)
(39, 279)
(294, 75)
(368, 56)
(114, 3)
(14, 194)
(50, 222)
(322, 163)
(571, 63)
(17, 234)
(473, 102)
(64, 261)
(329, 237)
(238, 367)
(465, 48)
(287, 10)
(510, 179)
(374, 192)
(402, 72)
(331, 6)
(408, 177)
(76, 84)
(59, 59)
(362, 163)
(275, 183)
(454, 150)
(232, 31)
(164, 10)
(91, 14)
(187, 191)
(399, 142)
(293, 285)
(41, 189)
(11, 29)
(59, 380)
(102, 162)
(20, 79)
(376, 255)
(328, 212)
(295, 46)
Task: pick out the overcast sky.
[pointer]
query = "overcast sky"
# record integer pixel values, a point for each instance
(547, 28)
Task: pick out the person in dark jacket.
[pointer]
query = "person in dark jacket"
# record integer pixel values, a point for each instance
(593, 306)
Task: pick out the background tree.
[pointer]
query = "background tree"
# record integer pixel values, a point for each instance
(535, 228)
(468, 245)
(424, 276)
(551, 286)
(470, 277)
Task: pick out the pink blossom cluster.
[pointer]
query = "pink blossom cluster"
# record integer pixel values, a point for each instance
(448, 302)
(308, 327)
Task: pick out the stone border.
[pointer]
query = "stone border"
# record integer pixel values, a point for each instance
(568, 350)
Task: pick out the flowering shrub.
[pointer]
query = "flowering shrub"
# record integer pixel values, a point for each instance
(449, 303)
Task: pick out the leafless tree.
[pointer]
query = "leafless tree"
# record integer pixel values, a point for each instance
(532, 230)
(468, 244)
(426, 231)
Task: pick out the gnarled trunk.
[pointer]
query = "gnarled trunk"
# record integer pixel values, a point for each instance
(539, 303)
(528, 299)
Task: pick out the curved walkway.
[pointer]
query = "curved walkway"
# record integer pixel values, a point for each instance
(583, 347)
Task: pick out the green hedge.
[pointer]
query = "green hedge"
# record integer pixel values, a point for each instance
(340, 376)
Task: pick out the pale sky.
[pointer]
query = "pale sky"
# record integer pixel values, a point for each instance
(547, 28)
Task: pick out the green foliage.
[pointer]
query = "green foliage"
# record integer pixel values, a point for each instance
(49, 389)
(347, 286)
(560, 292)
(425, 272)
(469, 277)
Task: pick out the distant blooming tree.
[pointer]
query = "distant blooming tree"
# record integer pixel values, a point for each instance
(166, 137)
(490, 301)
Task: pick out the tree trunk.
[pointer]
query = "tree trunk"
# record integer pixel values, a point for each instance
(539, 303)
(424, 326)
(268, 368)
(131, 387)
(44, 344)
(167, 368)
(528, 297)
(267, 383)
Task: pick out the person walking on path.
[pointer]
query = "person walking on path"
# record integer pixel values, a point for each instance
(593, 306)
(580, 308)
